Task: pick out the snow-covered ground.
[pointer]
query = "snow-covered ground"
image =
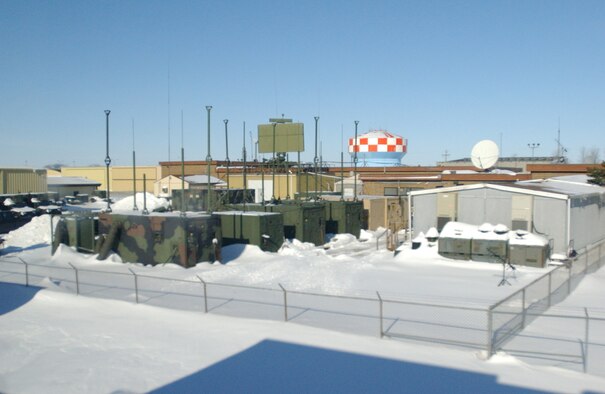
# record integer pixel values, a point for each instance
(54, 341)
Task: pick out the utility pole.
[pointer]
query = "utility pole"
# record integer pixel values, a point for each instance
(355, 148)
(107, 158)
(208, 161)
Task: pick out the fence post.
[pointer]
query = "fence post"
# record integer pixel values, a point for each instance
(136, 285)
(549, 289)
(380, 314)
(77, 279)
(524, 310)
(569, 279)
(586, 340)
(490, 345)
(205, 294)
(26, 271)
(285, 302)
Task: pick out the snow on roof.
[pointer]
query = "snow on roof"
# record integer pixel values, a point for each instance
(200, 179)
(554, 188)
(458, 230)
(71, 181)
(569, 186)
(529, 239)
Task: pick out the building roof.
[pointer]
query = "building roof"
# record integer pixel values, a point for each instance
(202, 179)
(560, 188)
(71, 181)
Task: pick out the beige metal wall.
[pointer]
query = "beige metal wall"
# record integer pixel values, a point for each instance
(120, 177)
(168, 184)
(22, 180)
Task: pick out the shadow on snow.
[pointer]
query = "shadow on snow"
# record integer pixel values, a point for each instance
(273, 366)
(12, 296)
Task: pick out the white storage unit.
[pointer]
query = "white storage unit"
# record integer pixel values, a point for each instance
(566, 210)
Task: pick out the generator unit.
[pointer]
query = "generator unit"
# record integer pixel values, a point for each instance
(528, 249)
(344, 217)
(304, 221)
(161, 237)
(455, 241)
(263, 229)
(489, 244)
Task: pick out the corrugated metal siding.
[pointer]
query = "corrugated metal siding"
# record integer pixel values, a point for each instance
(21, 180)
(477, 206)
(424, 212)
(485, 206)
(586, 221)
(550, 220)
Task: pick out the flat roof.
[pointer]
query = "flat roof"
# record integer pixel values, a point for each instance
(560, 188)
(70, 181)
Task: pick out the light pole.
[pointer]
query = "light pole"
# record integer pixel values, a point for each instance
(134, 173)
(533, 147)
(355, 147)
(273, 166)
(107, 158)
(227, 153)
(208, 160)
(315, 158)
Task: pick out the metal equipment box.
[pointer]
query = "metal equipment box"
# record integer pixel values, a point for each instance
(263, 229)
(160, 238)
(81, 232)
(455, 241)
(528, 249)
(344, 217)
(489, 246)
(78, 231)
(304, 221)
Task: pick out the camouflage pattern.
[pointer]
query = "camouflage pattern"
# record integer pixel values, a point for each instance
(160, 238)
(304, 221)
(265, 230)
(344, 217)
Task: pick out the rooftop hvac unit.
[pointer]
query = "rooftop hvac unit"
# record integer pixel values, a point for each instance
(489, 244)
(455, 241)
(528, 249)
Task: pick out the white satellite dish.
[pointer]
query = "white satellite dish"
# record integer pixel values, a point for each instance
(485, 154)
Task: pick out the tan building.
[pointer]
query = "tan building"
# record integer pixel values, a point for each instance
(22, 180)
(120, 177)
(165, 186)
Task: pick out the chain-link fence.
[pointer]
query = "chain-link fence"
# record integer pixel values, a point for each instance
(488, 328)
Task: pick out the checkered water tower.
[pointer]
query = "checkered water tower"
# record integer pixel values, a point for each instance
(378, 148)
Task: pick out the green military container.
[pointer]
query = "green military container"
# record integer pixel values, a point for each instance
(161, 237)
(81, 232)
(263, 229)
(304, 221)
(344, 217)
(78, 231)
(196, 199)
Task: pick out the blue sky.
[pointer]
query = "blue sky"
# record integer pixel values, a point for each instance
(443, 74)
